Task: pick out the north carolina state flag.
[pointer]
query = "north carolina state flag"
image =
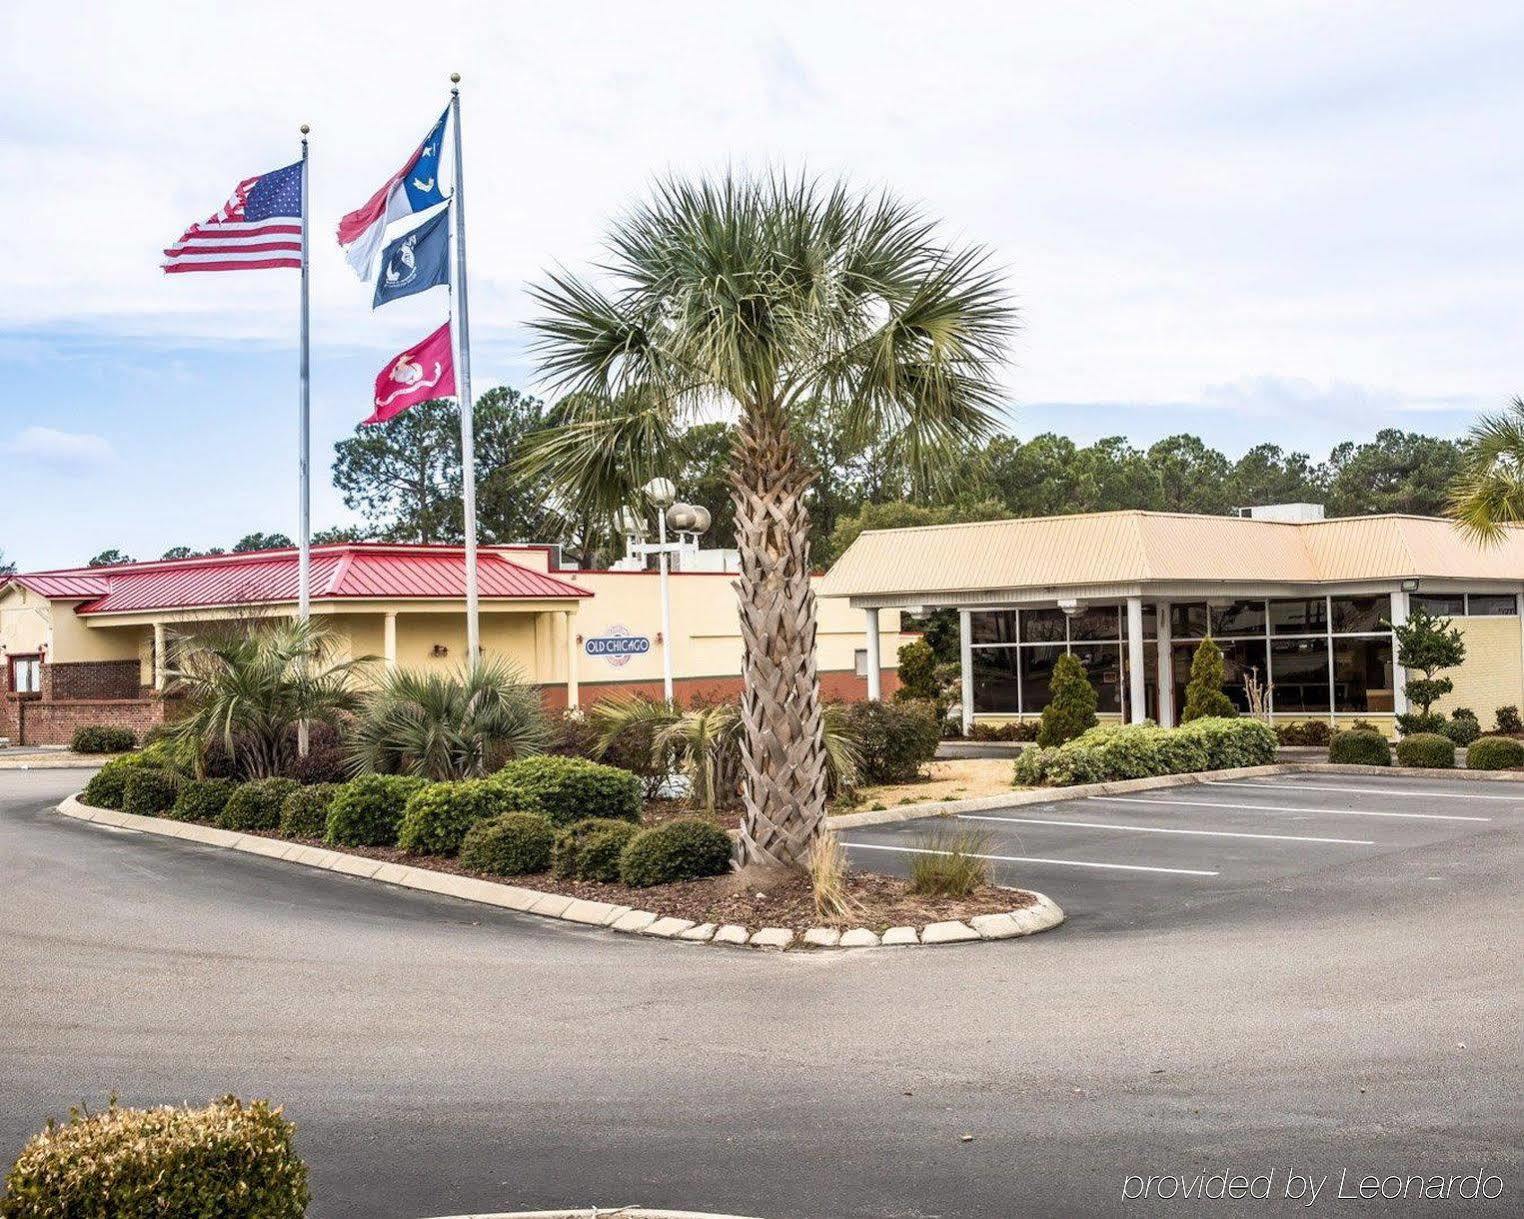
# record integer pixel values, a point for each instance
(425, 370)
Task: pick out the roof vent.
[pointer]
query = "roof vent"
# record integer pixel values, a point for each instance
(1294, 513)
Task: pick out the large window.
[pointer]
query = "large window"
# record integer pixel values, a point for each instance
(995, 682)
(1363, 676)
(1014, 652)
(1299, 674)
(1464, 605)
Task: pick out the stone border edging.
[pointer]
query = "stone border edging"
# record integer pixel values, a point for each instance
(1042, 915)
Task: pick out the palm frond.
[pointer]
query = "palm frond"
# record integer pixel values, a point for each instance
(1488, 493)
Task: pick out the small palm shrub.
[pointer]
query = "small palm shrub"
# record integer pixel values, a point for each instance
(1071, 703)
(1508, 720)
(590, 850)
(202, 800)
(102, 738)
(304, 813)
(685, 849)
(1204, 696)
(1427, 749)
(1360, 748)
(150, 791)
(437, 817)
(948, 863)
(367, 811)
(569, 789)
(257, 805)
(229, 1159)
(891, 741)
(1495, 753)
(108, 785)
(510, 845)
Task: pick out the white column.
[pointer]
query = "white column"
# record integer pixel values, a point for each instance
(571, 661)
(389, 639)
(875, 661)
(1166, 663)
(1399, 616)
(160, 660)
(966, 666)
(1138, 701)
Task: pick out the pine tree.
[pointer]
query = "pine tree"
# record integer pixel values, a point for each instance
(1204, 696)
(1071, 703)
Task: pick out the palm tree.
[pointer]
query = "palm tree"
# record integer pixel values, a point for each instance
(762, 297)
(448, 726)
(1489, 491)
(248, 684)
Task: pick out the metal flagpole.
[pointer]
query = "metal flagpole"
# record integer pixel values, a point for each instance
(304, 458)
(463, 382)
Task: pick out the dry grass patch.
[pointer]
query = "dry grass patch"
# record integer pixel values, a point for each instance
(946, 779)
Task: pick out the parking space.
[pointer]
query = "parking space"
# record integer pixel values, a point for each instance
(1116, 860)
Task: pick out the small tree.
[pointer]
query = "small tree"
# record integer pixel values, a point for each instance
(1204, 695)
(1428, 644)
(1071, 703)
(918, 673)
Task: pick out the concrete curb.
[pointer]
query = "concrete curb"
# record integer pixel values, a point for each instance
(598, 1212)
(1028, 920)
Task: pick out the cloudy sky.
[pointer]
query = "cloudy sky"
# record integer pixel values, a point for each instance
(1254, 220)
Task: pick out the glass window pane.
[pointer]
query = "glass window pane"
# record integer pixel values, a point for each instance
(1299, 616)
(1488, 605)
(995, 680)
(1095, 622)
(1037, 675)
(1439, 605)
(1103, 666)
(1299, 672)
(1240, 618)
(997, 626)
(1362, 674)
(1239, 657)
(1353, 615)
(1042, 626)
(1150, 620)
(1188, 620)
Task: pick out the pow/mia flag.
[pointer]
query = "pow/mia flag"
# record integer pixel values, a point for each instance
(415, 261)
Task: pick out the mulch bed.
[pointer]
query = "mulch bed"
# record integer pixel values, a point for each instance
(879, 901)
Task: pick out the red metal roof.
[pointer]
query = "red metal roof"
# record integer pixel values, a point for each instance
(343, 571)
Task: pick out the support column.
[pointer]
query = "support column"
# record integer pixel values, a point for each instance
(1399, 675)
(571, 660)
(1136, 678)
(160, 660)
(389, 639)
(1166, 663)
(875, 661)
(966, 667)
(544, 649)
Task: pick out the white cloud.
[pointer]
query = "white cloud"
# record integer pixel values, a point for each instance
(62, 451)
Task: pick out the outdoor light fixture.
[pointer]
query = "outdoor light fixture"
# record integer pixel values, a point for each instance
(1410, 586)
(1070, 606)
(660, 492)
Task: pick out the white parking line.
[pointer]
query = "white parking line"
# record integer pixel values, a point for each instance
(1242, 784)
(1064, 863)
(1159, 829)
(1288, 808)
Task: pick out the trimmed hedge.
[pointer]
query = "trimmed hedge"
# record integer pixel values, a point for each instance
(893, 740)
(108, 785)
(1304, 732)
(103, 738)
(202, 800)
(685, 849)
(1427, 749)
(1138, 751)
(1495, 753)
(367, 811)
(304, 814)
(1360, 748)
(256, 805)
(510, 845)
(1462, 727)
(149, 791)
(437, 818)
(590, 850)
(229, 1159)
(569, 789)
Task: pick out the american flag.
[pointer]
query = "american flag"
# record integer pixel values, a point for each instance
(260, 226)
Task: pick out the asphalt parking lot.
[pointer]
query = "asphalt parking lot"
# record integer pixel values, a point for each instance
(1119, 861)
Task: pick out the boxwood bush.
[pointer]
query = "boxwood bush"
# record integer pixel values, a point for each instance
(569, 789)
(256, 805)
(304, 813)
(436, 819)
(1137, 751)
(509, 845)
(1495, 753)
(103, 738)
(685, 849)
(1427, 749)
(202, 800)
(1357, 747)
(893, 740)
(367, 811)
(108, 785)
(149, 791)
(1304, 732)
(229, 1159)
(1462, 727)
(590, 849)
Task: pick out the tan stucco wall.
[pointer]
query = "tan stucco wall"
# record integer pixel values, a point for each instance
(1493, 672)
(25, 619)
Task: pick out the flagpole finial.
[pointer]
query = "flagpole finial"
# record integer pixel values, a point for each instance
(305, 129)
(455, 81)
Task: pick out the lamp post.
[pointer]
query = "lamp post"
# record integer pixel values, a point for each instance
(663, 494)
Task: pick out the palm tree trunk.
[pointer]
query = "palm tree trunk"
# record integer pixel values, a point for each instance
(783, 749)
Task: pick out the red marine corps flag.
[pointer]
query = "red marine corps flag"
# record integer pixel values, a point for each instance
(425, 370)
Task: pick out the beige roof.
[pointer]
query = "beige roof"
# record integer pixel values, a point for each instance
(1111, 548)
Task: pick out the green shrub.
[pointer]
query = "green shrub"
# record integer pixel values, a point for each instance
(437, 818)
(367, 811)
(149, 791)
(1427, 749)
(1495, 753)
(1011, 730)
(892, 740)
(1305, 732)
(1508, 719)
(1410, 723)
(1071, 703)
(1233, 742)
(1204, 696)
(917, 673)
(569, 789)
(102, 738)
(1137, 751)
(257, 805)
(107, 786)
(684, 849)
(590, 850)
(231, 1160)
(1358, 747)
(202, 800)
(1463, 727)
(509, 845)
(304, 814)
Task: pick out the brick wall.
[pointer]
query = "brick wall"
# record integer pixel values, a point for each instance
(92, 679)
(40, 722)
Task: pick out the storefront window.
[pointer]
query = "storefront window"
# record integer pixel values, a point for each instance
(1103, 666)
(1439, 605)
(1037, 674)
(1359, 615)
(1489, 605)
(1095, 622)
(995, 688)
(1188, 620)
(1362, 675)
(1299, 616)
(1239, 657)
(997, 626)
(1042, 626)
(1299, 671)
(1240, 618)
